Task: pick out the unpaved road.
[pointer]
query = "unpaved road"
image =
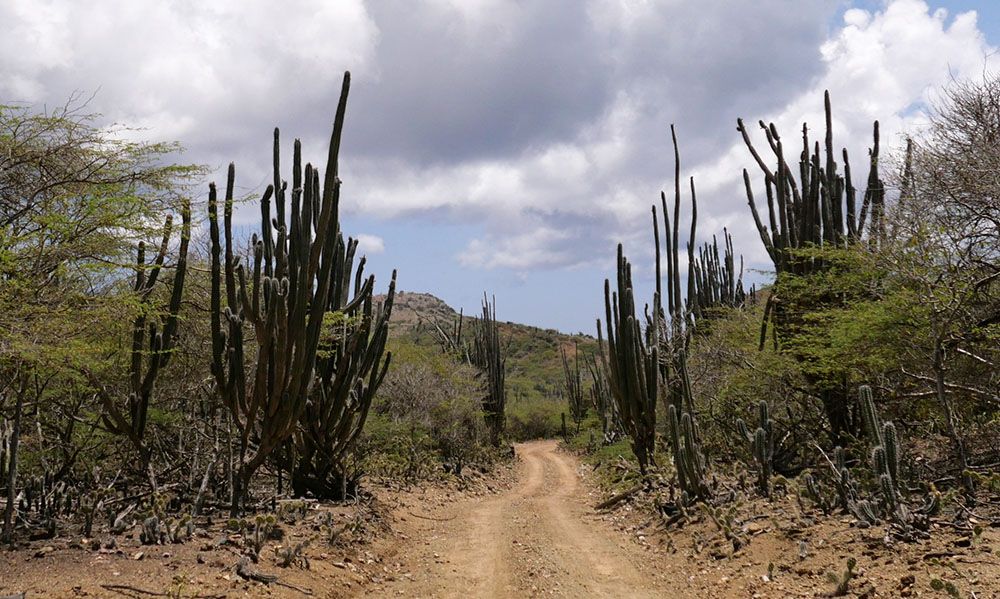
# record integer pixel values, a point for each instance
(540, 538)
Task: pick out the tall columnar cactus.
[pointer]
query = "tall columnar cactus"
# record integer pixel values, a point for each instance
(717, 283)
(574, 386)
(885, 456)
(349, 370)
(645, 365)
(761, 443)
(296, 270)
(689, 459)
(821, 208)
(632, 364)
(489, 356)
(156, 348)
(601, 398)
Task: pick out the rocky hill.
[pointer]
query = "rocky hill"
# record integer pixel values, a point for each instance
(534, 365)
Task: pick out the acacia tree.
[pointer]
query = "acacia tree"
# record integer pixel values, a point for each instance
(810, 209)
(946, 252)
(74, 199)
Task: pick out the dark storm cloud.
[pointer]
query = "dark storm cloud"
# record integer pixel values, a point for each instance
(452, 87)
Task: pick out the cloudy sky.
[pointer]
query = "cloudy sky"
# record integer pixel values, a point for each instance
(500, 145)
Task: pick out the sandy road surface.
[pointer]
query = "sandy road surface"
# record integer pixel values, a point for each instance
(537, 539)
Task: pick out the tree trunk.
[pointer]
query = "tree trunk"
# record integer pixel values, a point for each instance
(951, 419)
(8, 517)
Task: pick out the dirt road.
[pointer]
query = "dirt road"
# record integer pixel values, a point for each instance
(538, 538)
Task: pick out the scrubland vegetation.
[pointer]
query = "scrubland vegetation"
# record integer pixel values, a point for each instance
(163, 371)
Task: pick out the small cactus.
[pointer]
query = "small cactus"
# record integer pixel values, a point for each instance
(842, 581)
(761, 446)
(292, 555)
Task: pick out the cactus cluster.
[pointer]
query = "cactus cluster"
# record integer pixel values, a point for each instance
(601, 398)
(761, 443)
(717, 283)
(821, 208)
(885, 456)
(160, 529)
(728, 523)
(632, 365)
(350, 368)
(489, 356)
(886, 501)
(648, 365)
(303, 378)
(578, 405)
(689, 458)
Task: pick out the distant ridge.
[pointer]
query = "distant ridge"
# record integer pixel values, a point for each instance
(534, 364)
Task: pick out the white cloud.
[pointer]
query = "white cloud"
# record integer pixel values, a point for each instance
(520, 252)
(185, 70)
(545, 122)
(886, 66)
(566, 202)
(370, 244)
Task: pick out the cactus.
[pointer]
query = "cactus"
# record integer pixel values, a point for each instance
(301, 267)
(289, 555)
(842, 581)
(689, 459)
(761, 446)
(264, 527)
(642, 367)
(815, 492)
(726, 521)
(152, 531)
(716, 282)
(817, 211)
(885, 457)
(574, 386)
(821, 208)
(490, 358)
(158, 348)
(632, 365)
(601, 398)
(348, 376)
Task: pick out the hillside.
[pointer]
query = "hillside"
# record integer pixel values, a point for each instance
(534, 365)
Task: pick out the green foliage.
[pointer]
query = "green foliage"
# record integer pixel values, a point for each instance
(538, 419)
(426, 415)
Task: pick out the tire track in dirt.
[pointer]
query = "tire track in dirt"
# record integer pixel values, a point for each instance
(538, 538)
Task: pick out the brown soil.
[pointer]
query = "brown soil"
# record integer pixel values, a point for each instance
(539, 538)
(531, 532)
